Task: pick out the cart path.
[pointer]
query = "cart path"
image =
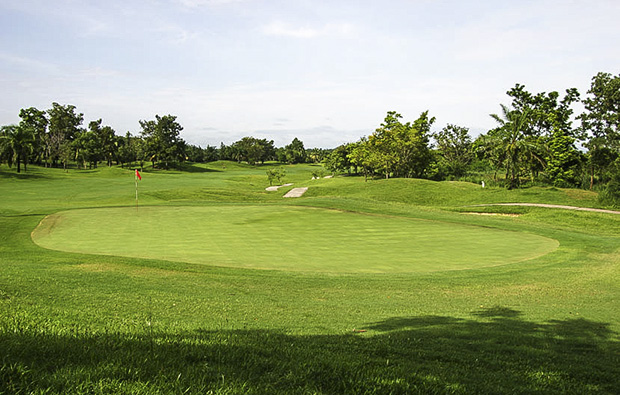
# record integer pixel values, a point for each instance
(275, 188)
(296, 192)
(596, 210)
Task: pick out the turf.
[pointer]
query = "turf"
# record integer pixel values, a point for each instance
(80, 323)
(287, 238)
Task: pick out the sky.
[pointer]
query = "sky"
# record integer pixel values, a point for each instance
(326, 72)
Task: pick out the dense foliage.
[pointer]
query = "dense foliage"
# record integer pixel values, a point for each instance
(534, 143)
(56, 138)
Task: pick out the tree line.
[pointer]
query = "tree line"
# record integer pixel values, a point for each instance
(56, 138)
(535, 142)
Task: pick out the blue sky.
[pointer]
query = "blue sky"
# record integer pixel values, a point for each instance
(326, 72)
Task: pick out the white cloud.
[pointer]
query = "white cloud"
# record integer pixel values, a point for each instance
(27, 63)
(314, 68)
(200, 3)
(279, 28)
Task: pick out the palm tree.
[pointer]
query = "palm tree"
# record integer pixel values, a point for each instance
(516, 145)
(17, 144)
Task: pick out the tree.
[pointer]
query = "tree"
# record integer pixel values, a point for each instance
(563, 161)
(548, 114)
(295, 152)
(36, 121)
(383, 144)
(338, 160)
(515, 142)
(600, 161)
(361, 156)
(550, 127)
(455, 149)
(317, 155)
(276, 174)
(397, 149)
(601, 124)
(17, 144)
(489, 147)
(162, 142)
(107, 146)
(601, 120)
(127, 149)
(64, 124)
(254, 150)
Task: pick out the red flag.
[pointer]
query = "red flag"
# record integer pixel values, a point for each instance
(138, 175)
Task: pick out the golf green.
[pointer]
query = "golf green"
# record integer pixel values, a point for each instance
(286, 238)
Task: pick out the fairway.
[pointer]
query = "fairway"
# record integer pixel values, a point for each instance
(286, 238)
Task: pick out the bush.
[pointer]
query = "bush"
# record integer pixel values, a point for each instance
(276, 174)
(610, 195)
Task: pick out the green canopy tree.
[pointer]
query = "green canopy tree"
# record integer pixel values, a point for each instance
(361, 156)
(516, 142)
(162, 142)
(400, 149)
(107, 147)
(295, 152)
(17, 144)
(550, 129)
(253, 150)
(601, 119)
(600, 123)
(338, 161)
(64, 124)
(86, 148)
(455, 149)
(36, 120)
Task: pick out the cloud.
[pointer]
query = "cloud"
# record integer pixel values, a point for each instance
(284, 29)
(201, 3)
(28, 63)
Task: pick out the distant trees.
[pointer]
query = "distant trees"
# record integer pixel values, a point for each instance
(454, 149)
(535, 136)
(395, 149)
(295, 152)
(16, 145)
(56, 137)
(600, 124)
(36, 121)
(163, 145)
(64, 125)
(339, 160)
(534, 142)
(253, 150)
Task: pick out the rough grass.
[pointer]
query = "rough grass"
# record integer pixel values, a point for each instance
(80, 323)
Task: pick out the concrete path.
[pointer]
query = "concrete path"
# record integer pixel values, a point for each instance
(275, 187)
(296, 192)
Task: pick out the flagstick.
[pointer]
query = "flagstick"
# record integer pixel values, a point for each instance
(136, 177)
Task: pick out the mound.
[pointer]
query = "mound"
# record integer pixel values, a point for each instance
(286, 238)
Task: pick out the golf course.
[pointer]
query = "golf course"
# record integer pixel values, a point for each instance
(200, 281)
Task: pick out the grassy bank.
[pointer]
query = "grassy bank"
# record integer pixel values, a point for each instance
(81, 323)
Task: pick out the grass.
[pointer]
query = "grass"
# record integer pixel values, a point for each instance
(72, 322)
(286, 238)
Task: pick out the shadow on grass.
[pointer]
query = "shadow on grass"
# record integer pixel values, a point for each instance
(494, 352)
(24, 175)
(193, 168)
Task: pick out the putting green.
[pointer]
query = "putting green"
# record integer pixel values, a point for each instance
(286, 238)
